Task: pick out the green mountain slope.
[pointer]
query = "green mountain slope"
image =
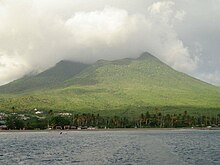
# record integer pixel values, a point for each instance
(123, 87)
(47, 79)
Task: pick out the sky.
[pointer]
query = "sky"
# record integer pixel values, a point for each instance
(36, 34)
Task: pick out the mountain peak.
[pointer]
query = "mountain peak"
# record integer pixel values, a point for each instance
(146, 55)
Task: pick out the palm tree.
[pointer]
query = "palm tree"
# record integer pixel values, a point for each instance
(141, 119)
(50, 113)
(147, 118)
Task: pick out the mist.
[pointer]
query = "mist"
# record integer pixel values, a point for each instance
(36, 35)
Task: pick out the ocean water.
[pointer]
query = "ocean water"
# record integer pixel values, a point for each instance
(111, 147)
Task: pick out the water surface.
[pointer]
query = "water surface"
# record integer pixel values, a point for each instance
(111, 147)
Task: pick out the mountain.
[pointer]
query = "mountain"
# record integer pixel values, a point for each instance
(50, 78)
(123, 87)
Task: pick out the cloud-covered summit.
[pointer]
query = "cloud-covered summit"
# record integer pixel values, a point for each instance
(37, 34)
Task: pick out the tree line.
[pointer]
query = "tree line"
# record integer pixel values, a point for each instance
(145, 120)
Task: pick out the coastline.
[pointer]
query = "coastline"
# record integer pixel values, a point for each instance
(114, 129)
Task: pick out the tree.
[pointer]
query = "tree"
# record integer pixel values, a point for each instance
(49, 116)
(60, 120)
(14, 122)
(13, 109)
(147, 118)
(34, 123)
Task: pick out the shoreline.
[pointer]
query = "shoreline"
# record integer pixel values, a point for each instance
(114, 129)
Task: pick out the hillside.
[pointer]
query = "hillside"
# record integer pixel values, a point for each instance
(50, 78)
(124, 87)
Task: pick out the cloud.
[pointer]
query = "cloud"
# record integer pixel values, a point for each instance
(162, 7)
(213, 78)
(171, 49)
(33, 38)
(9, 64)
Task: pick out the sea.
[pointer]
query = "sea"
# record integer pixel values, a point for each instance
(139, 147)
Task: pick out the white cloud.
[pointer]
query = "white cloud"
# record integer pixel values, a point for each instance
(171, 48)
(180, 15)
(9, 64)
(162, 7)
(33, 38)
(213, 78)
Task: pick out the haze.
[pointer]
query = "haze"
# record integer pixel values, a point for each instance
(36, 34)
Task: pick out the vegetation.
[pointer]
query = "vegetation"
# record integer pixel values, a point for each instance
(145, 120)
(124, 88)
(50, 78)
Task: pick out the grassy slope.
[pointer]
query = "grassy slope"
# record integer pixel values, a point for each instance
(47, 79)
(125, 87)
